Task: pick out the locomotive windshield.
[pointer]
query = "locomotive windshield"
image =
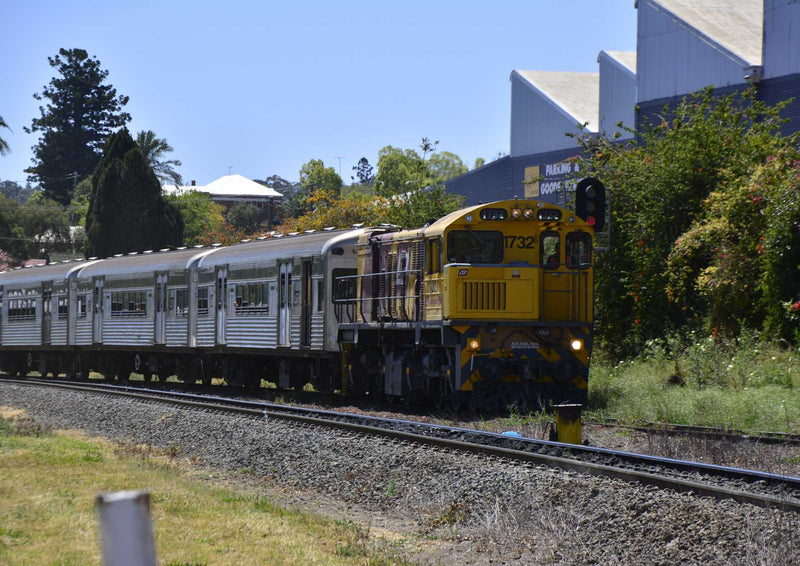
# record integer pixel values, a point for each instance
(475, 246)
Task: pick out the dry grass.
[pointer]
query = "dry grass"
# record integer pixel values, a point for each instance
(48, 482)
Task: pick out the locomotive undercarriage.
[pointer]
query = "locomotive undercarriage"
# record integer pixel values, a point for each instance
(437, 366)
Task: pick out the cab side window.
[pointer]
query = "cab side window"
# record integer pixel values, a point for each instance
(550, 250)
(579, 250)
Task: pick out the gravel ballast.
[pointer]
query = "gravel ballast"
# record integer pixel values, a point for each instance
(472, 509)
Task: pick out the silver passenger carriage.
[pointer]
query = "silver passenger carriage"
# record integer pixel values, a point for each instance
(42, 309)
(259, 309)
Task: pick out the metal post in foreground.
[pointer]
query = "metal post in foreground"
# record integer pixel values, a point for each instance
(568, 423)
(126, 528)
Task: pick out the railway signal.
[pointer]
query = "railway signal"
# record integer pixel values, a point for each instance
(590, 202)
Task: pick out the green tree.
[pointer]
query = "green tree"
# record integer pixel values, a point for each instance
(413, 183)
(244, 216)
(12, 235)
(317, 183)
(445, 165)
(4, 149)
(276, 182)
(154, 150)
(79, 205)
(126, 209)
(665, 229)
(15, 191)
(400, 171)
(46, 226)
(479, 162)
(315, 177)
(364, 172)
(201, 215)
(81, 111)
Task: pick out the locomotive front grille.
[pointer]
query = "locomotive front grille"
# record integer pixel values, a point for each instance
(484, 295)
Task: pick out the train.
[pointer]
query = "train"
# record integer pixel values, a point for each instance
(489, 306)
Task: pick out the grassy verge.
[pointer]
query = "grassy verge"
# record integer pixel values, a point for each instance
(741, 384)
(48, 482)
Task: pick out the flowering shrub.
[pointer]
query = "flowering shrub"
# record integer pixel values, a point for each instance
(703, 209)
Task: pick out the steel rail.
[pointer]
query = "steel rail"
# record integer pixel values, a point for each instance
(384, 427)
(764, 437)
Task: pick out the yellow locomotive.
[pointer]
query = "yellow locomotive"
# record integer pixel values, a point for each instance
(491, 305)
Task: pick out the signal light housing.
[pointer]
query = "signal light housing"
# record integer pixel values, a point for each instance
(590, 202)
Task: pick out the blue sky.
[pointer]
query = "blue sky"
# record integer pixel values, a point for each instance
(260, 87)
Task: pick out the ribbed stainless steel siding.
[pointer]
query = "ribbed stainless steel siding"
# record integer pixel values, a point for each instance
(294, 332)
(83, 332)
(128, 332)
(317, 332)
(252, 332)
(22, 334)
(205, 331)
(177, 332)
(58, 333)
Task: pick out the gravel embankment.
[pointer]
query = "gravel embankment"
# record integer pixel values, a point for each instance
(480, 510)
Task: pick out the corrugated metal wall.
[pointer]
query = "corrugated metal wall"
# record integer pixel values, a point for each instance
(536, 123)
(781, 38)
(672, 61)
(617, 97)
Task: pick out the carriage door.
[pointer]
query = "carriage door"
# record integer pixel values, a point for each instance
(160, 308)
(221, 295)
(285, 304)
(47, 312)
(305, 305)
(97, 311)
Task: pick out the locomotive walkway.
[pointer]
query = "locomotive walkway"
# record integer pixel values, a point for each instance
(746, 486)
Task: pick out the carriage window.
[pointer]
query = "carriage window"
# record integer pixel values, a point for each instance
(251, 299)
(63, 306)
(475, 246)
(81, 306)
(179, 302)
(21, 310)
(579, 250)
(549, 252)
(129, 304)
(319, 295)
(202, 301)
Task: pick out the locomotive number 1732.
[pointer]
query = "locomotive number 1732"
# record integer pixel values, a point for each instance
(519, 242)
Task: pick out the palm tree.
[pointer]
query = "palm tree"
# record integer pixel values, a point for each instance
(3, 144)
(154, 149)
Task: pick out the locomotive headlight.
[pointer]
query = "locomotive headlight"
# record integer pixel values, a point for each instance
(527, 213)
(474, 344)
(576, 344)
(516, 213)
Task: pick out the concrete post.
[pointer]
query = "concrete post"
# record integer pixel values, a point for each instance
(126, 528)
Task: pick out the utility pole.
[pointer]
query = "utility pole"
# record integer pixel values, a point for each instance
(340, 163)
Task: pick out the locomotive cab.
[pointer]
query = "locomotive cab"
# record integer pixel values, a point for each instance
(492, 304)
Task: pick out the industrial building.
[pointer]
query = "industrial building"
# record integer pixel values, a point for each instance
(682, 46)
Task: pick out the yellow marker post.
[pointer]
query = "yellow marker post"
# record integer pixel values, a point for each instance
(568, 423)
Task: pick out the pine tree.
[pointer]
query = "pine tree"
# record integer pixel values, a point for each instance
(79, 115)
(126, 209)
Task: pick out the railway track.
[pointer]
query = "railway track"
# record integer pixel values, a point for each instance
(714, 433)
(746, 486)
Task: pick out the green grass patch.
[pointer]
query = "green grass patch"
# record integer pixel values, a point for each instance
(741, 384)
(48, 483)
